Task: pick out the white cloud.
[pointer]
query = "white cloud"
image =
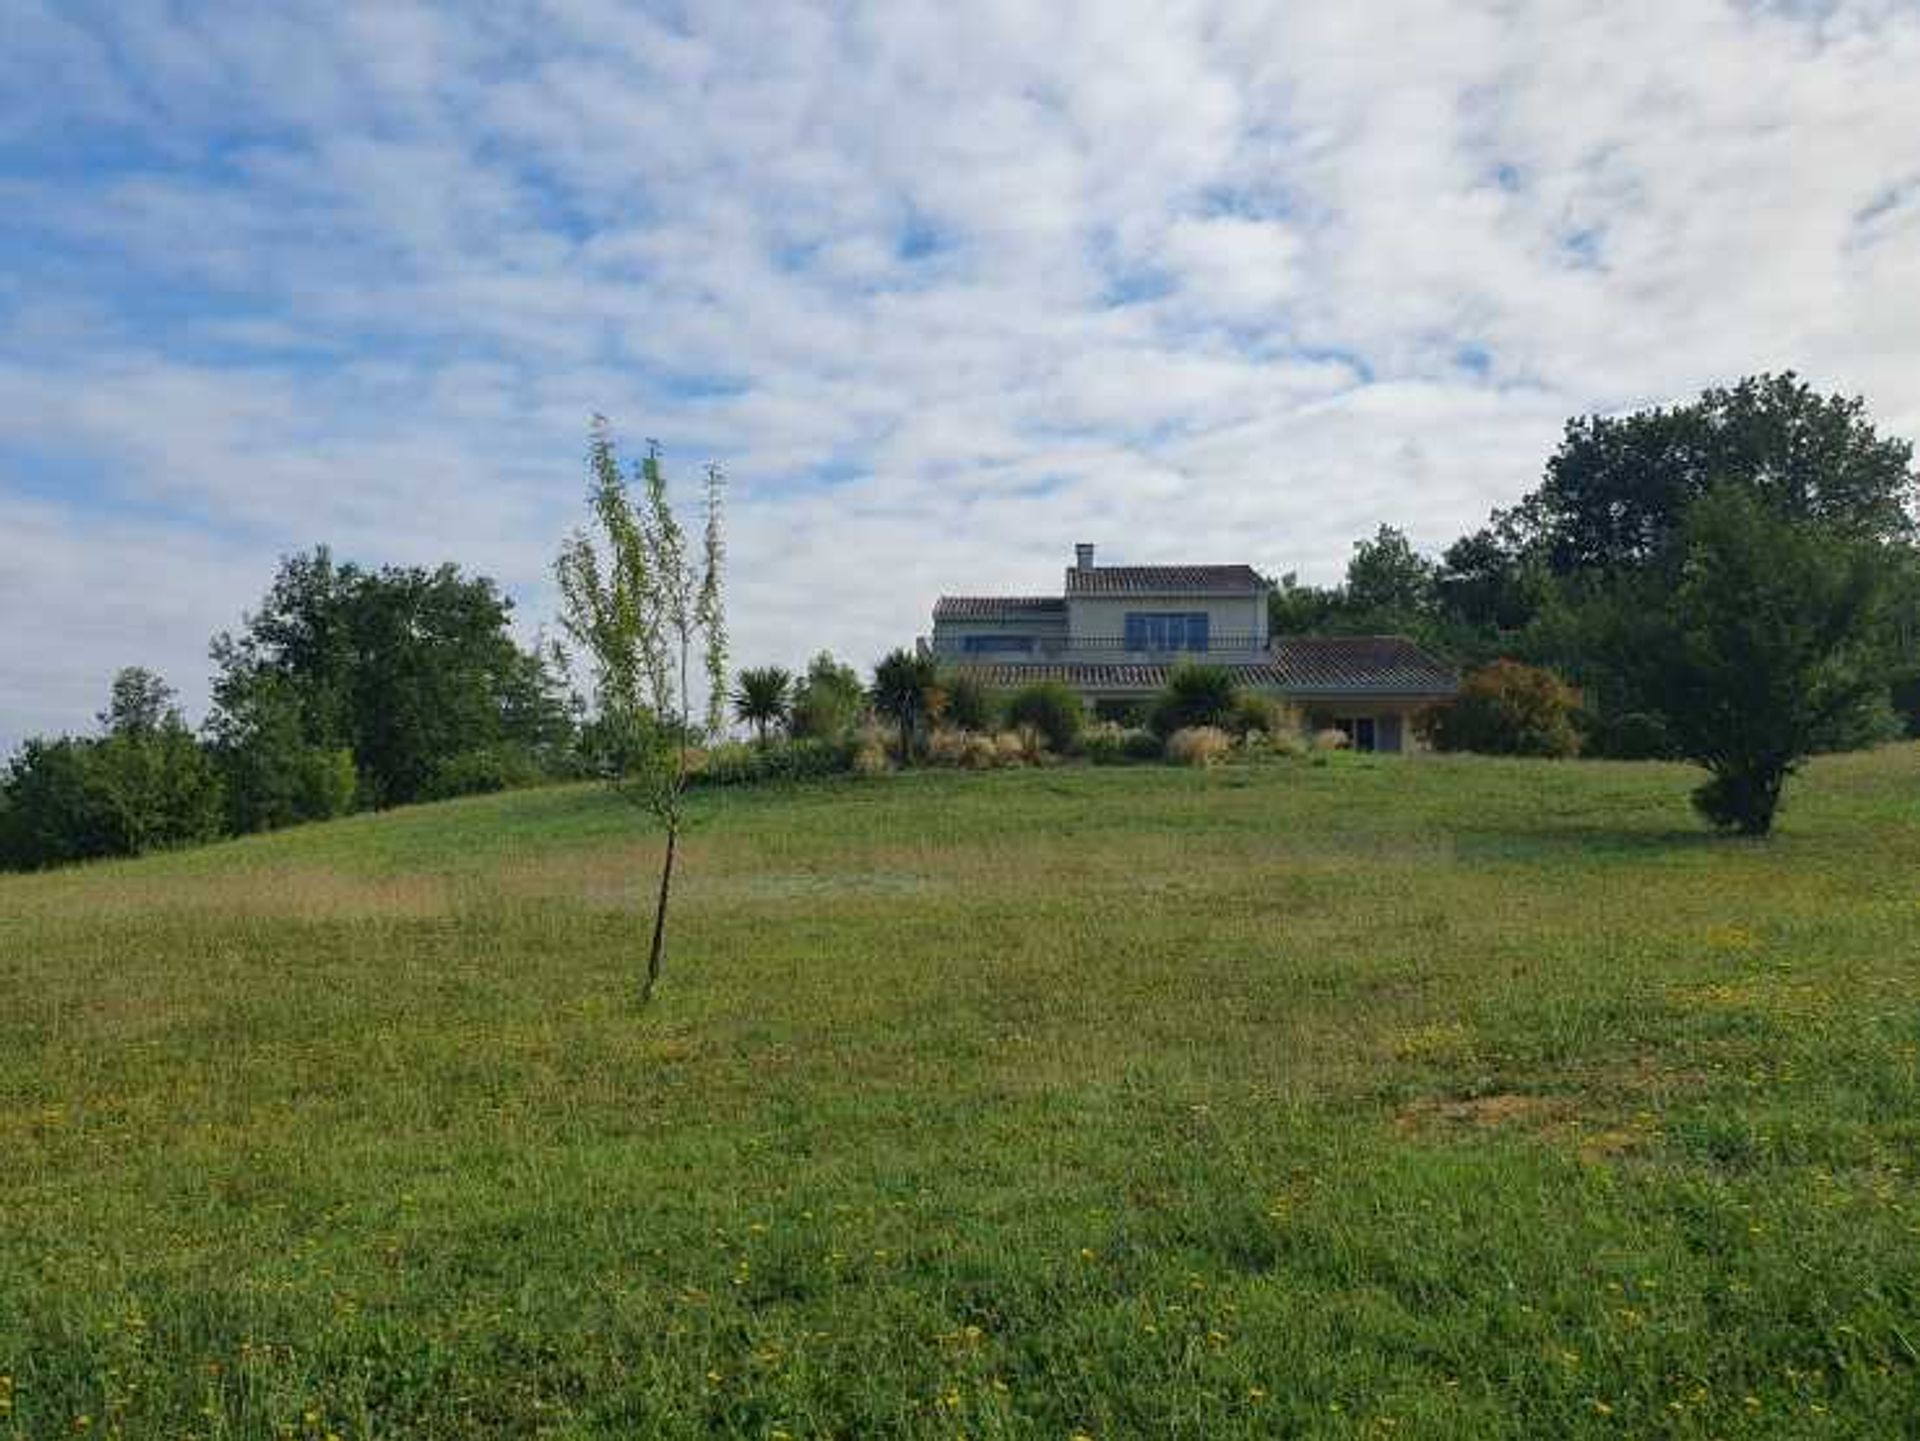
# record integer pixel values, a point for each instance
(948, 288)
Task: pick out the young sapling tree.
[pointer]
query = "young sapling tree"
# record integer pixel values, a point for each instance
(639, 603)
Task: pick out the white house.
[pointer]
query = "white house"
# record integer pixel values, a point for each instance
(1116, 632)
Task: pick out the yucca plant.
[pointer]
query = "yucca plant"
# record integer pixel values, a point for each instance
(906, 691)
(763, 698)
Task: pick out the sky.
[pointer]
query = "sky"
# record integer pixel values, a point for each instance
(945, 288)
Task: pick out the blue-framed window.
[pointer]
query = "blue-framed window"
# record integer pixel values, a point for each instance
(975, 644)
(1166, 630)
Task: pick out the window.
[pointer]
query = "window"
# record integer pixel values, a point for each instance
(1359, 731)
(974, 644)
(1166, 630)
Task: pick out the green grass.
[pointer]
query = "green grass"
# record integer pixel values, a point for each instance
(1380, 1098)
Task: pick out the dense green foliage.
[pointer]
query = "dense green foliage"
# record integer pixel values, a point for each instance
(347, 687)
(793, 760)
(274, 775)
(1107, 743)
(484, 770)
(404, 668)
(1051, 708)
(1196, 694)
(1764, 655)
(144, 783)
(827, 701)
(1604, 534)
(970, 705)
(1508, 709)
(1256, 714)
(1617, 492)
(1486, 1098)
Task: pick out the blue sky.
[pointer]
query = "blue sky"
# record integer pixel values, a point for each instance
(947, 288)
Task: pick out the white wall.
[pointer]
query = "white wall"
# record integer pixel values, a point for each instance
(953, 632)
(1105, 617)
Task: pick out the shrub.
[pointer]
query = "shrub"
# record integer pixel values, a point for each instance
(1107, 744)
(870, 757)
(1052, 709)
(1508, 709)
(1630, 736)
(969, 703)
(979, 753)
(1011, 747)
(1195, 695)
(118, 795)
(827, 701)
(1198, 745)
(481, 771)
(1287, 743)
(1127, 714)
(1330, 739)
(1254, 713)
(947, 746)
(729, 764)
(735, 764)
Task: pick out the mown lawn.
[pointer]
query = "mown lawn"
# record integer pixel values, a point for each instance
(1380, 1098)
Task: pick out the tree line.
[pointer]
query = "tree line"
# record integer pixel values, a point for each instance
(347, 688)
(1733, 581)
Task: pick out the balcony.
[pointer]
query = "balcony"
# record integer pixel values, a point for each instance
(1048, 648)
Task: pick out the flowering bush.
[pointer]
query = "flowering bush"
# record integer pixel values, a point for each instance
(1508, 709)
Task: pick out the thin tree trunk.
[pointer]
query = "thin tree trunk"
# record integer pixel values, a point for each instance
(657, 955)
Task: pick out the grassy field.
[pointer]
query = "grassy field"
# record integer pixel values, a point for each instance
(1376, 1098)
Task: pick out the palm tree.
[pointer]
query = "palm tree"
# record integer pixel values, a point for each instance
(903, 686)
(764, 697)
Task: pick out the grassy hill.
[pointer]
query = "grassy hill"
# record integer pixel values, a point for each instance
(1447, 1098)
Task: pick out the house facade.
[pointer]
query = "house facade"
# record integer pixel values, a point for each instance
(1116, 632)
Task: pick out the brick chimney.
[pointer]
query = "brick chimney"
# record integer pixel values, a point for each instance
(1083, 556)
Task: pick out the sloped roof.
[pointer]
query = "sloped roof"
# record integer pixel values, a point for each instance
(999, 607)
(1164, 580)
(1346, 665)
(1304, 666)
(1101, 675)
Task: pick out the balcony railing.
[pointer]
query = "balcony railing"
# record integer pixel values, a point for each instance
(1090, 647)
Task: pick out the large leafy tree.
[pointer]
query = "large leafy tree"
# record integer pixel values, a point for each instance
(1604, 533)
(1617, 492)
(144, 783)
(1766, 651)
(274, 775)
(139, 703)
(643, 607)
(1387, 577)
(406, 668)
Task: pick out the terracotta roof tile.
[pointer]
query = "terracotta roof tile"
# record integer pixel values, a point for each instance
(1299, 665)
(999, 607)
(1382, 664)
(1164, 580)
